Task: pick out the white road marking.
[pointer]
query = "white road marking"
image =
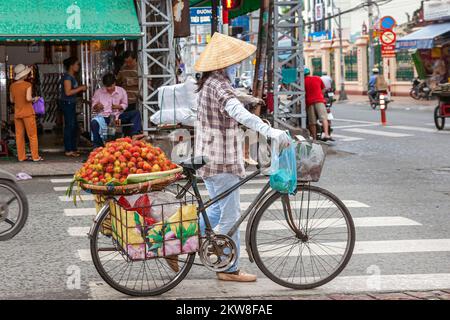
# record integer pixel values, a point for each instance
(213, 288)
(79, 212)
(419, 129)
(203, 191)
(60, 188)
(361, 247)
(357, 121)
(379, 133)
(355, 126)
(61, 180)
(346, 138)
(322, 223)
(81, 197)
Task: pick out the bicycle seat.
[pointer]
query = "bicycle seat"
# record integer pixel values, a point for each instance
(194, 163)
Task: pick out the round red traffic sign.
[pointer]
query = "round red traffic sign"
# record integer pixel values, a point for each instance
(388, 37)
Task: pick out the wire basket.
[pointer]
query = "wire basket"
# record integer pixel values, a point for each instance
(310, 161)
(153, 225)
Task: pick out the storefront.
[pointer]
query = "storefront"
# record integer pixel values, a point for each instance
(43, 33)
(429, 48)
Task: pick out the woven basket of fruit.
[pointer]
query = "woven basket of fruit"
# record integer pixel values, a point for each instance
(125, 167)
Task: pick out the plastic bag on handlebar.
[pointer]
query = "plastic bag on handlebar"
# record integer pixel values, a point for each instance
(283, 169)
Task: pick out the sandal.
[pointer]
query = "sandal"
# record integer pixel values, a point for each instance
(38, 160)
(72, 154)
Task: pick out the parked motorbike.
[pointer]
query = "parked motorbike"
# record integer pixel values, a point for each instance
(420, 90)
(329, 97)
(13, 207)
(375, 101)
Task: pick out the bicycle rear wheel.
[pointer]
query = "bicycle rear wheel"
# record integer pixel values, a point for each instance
(136, 278)
(302, 241)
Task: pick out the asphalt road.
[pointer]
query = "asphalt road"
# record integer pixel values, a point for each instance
(396, 178)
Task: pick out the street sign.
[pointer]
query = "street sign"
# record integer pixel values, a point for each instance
(388, 37)
(387, 23)
(201, 15)
(388, 51)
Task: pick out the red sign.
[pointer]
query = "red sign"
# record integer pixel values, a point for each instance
(388, 37)
(388, 51)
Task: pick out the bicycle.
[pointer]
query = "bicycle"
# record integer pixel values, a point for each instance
(312, 242)
(13, 207)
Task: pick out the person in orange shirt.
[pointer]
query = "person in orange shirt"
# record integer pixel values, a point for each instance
(24, 117)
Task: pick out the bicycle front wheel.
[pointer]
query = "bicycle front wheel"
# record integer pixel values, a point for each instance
(302, 241)
(148, 277)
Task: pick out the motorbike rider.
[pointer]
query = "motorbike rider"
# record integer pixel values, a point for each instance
(315, 105)
(377, 83)
(327, 81)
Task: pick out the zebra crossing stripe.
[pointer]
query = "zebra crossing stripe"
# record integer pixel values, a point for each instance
(378, 133)
(346, 138)
(361, 247)
(61, 180)
(419, 129)
(267, 225)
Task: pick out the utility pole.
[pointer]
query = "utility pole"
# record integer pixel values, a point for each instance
(371, 40)
(215, 18)
(342, 93)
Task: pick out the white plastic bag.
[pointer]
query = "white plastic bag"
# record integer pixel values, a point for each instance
(177, 104)
(310, 159)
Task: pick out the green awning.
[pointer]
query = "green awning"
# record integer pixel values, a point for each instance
(68, 20)
(246, 7)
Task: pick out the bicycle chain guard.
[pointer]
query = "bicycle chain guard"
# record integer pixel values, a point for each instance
(218, 253)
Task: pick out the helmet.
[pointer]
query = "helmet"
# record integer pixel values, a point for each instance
(376, 70)
(307, 71)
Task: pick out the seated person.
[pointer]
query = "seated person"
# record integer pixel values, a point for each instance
(113, 100)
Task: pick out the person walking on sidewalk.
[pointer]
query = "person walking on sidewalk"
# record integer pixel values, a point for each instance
(315, 105)
(68, 104)
(218, 137)
(24, 117)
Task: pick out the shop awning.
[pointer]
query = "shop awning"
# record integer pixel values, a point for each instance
(68, 20)
(424, 38)
(246, 6)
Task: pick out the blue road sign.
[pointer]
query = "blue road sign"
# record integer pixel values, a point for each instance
(387, 22)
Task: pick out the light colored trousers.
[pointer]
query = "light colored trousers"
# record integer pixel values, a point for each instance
(225, 212)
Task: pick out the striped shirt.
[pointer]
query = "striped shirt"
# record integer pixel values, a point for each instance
(128, 78)
(217, 134)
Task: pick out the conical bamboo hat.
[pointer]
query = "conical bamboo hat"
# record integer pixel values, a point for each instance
(223, 51)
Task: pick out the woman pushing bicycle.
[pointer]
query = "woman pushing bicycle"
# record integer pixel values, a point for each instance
(218, 137)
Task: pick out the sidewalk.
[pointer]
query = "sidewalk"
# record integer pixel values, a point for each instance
(407, 295)
(54, 165)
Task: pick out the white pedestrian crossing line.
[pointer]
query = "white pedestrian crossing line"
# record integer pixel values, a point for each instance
(267, 225)
(346, 138)
(61, 180)
(81, 197)
(419, 129)
(80, 212)
(379, 133)
(200, 288)
(361, 247)
(74, 212)
(358, 121)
